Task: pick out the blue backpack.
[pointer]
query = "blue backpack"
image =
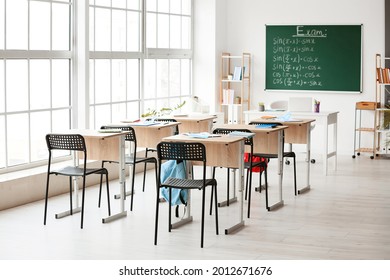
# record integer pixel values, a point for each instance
(173, 169)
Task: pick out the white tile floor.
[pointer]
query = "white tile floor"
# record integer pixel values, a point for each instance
(346, 215)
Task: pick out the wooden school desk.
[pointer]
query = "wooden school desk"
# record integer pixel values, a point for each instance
(269, 141)
(102, 146)
(195, 123)
(225, 151)
(298, 132)
(324, 118)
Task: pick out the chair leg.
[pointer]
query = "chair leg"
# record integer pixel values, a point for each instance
(249, 190)
(82, 203)
(70, 195)
(144, 177)
(260, 172)
(100, 187)
(156, 219)
(266, 188)
(132, 188)
(246, 185)
(46, 198)
(214, 187)
(212, 193)
(108, 195)
(170, 209)
(202, 222)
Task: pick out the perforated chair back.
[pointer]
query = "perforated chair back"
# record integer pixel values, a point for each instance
(70, 142)
(167, 120)
(181, 151)
(130, 136)
(225, 131)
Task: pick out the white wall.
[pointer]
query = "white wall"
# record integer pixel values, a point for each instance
(239, 26)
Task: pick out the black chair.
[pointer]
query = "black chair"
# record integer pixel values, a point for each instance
(130, 159)
(248, 165)
(180, 151)
(289, 154)
(155, 150)
(75, 143)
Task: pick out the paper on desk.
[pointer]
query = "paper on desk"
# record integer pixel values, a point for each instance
(287, 118)
(202, 135)
(242, 134)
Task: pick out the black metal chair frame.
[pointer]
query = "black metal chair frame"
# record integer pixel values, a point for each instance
(130, 159)
(74, 143)
(289, 154)
(180, 151)
(249, 165)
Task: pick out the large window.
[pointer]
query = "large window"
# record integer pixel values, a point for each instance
(140, 57)
(35, 77)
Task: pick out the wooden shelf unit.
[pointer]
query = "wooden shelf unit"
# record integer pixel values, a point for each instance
(236, 106)
(382, 112)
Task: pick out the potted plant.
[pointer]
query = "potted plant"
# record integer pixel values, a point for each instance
(162, 112)
(261, 106)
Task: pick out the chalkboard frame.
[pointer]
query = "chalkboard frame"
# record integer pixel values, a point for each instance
(356, 48)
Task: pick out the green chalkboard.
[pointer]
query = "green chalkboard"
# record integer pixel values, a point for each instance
(314, 58)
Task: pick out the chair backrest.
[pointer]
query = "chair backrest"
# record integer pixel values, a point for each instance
(181, 151)
(166, 120)
(248, 141)
(259, 122)
(70, 142)
(130, 136)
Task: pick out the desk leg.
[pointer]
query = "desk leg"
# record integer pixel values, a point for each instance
(234, 198)
(335, 142)
(122, 181)
(308, 145)
(241, 222)
(325, 152)
(280, 173)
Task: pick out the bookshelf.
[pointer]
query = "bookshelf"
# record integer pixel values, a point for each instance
(235, 86)
(382, 112)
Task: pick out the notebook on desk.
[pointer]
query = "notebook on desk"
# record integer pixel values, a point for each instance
(266, 125)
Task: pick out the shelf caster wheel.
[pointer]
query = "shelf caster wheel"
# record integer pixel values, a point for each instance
(371, 157)
(313, 161)
(353, 156)
(358, 154)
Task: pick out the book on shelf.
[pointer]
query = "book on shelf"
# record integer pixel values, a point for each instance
(237, 75)
(383, 75)
(228, 96)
